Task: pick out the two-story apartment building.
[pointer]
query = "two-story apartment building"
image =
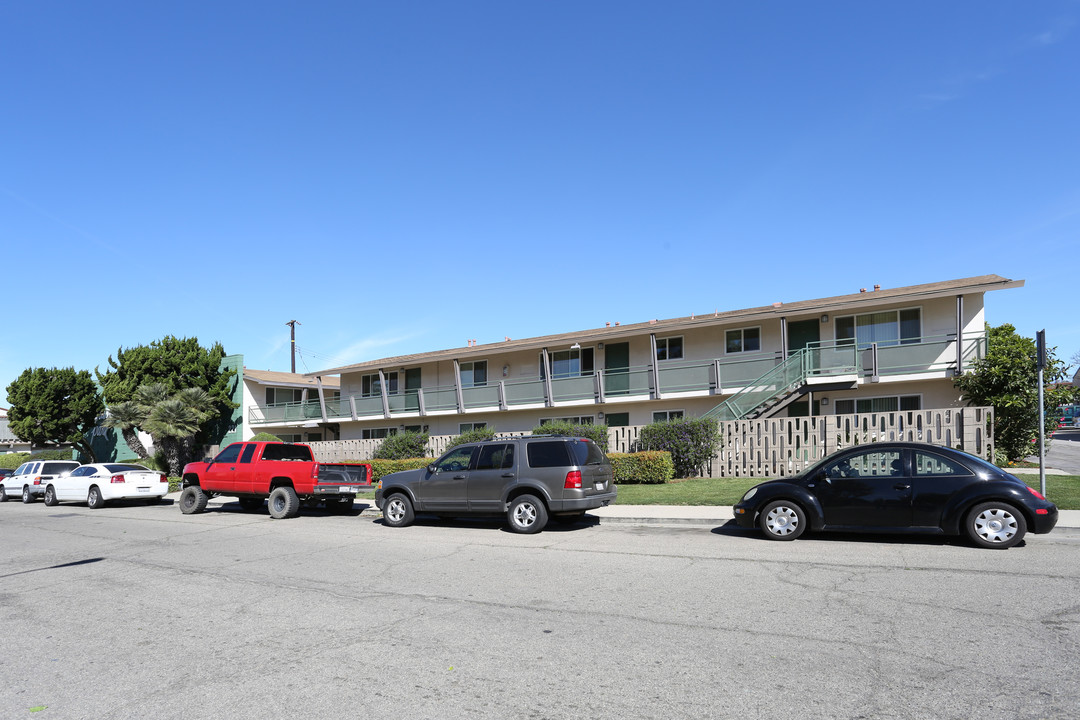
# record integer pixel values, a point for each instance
(873, 350)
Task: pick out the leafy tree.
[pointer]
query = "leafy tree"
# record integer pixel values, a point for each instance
(1007, 379)
(403, 445)
(265, 437)
(54, 406)
(159, 371)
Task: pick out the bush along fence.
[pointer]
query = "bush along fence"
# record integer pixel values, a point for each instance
(774, 447)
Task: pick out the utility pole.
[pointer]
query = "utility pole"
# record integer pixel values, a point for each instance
(292, 340)
(1040, 364)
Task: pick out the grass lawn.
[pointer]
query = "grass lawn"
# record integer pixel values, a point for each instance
(1063, 490)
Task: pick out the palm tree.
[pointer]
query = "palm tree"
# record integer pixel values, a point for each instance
(174, 420)
(127, 417)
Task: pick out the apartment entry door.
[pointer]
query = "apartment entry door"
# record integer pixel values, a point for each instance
(802, 333)
(617, 369)
(412, 389)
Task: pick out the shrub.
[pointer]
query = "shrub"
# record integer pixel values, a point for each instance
(692, 442)
(10, 461)
(402, 445)
(265, 437)
(649, 467)
(597, 433)
(474, 435)
(380, 468)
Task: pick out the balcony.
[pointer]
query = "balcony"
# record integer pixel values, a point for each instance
(720, 376)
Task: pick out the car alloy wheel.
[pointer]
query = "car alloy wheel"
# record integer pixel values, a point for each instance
(996, 525)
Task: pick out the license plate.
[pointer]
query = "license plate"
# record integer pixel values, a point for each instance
(145, 489)
(599, 486)
(345, 489)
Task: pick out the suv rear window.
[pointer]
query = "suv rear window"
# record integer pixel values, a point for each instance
(548, 454)
(55, 468)
(587, 453)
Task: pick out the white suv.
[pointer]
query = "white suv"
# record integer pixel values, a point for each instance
(30, 479)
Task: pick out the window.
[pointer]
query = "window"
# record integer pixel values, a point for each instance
(547, 454)
(873, 463)
(466, 427)
(934, 464)
(569, 363)
(370, 385)
(276, 396)
(495, 457)
(274, 451)
(249, 451)
(377, 433)
(618, 419)
(891, 327)
(878, 404)
(743, 340)
(665, 415)
(576, 420)
(229, 454)
(474, 374)
(289, 438)
(416, 428)
(456, 460)
(669, 348)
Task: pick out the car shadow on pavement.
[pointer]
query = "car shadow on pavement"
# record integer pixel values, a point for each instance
(496, 523)
(732, 529)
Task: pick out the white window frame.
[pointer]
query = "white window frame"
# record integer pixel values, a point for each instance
(377, 433)
(742, 340)
(900, 339)
(855, 403)
(678, 415)
(472, 370)
(466, 427)
(579, 351)
(663, 349)
(373, 381)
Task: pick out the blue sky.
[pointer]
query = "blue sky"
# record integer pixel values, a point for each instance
(403, 177)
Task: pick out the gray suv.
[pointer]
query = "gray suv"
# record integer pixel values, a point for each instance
(528, 479)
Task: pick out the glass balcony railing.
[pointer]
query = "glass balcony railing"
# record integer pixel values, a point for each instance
(524, 392)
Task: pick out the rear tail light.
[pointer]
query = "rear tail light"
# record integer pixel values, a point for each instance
(162, 478)
(37, 480)
(118, 479)
(573, 480)
(1035, 492)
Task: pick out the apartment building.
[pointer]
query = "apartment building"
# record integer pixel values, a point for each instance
(877, 349)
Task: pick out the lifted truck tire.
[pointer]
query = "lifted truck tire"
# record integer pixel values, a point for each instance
(193, 500)
(284, 503)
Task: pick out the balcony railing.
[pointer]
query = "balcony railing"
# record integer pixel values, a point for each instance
(720, 376)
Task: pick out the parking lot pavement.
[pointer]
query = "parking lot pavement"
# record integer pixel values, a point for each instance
(136, 611)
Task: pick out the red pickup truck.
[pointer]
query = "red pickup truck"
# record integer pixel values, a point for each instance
(286, 473)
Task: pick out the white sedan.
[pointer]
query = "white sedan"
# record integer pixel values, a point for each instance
(98, 483)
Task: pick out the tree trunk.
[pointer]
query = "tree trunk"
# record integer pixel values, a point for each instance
(87, 449)
(131, 437)
(170, 448)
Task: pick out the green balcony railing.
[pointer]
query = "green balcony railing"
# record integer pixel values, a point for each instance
(758, 379)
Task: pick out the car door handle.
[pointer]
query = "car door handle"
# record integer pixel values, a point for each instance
(459, 477)
(901, 486)
(508, 475)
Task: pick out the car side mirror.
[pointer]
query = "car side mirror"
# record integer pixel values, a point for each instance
(432, 468)
(208, 460)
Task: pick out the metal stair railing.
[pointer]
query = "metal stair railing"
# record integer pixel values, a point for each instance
(773, 385)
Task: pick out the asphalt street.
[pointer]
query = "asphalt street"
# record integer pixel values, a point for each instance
(135, 611)
(1064, 453)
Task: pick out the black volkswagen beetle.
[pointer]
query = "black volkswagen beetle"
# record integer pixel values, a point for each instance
(900, 487)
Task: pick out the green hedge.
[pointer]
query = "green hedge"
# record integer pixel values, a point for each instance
(402, 446)
(13, 460)
(649, 467)
(379, 468)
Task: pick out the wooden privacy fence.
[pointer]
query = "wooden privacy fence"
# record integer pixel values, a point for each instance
(776, 447)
